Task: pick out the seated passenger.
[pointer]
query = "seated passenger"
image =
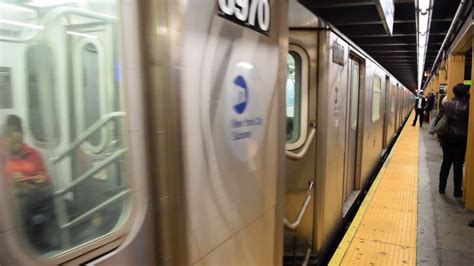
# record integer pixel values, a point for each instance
(24, 170)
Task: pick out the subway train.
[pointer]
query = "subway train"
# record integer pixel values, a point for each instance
(183, 132)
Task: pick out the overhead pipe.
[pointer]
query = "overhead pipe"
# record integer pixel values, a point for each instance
(456, 19)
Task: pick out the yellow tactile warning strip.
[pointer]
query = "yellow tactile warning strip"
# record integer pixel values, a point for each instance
(383, 231)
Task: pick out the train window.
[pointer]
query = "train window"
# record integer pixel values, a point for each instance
(6, 100)
(377, 90)
(296, 97)
(354, 94)
(41, 89)
(90, 93)
(66, 200)
(392, 98)
(293, 91)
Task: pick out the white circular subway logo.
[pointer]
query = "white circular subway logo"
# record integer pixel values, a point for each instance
(244, 117)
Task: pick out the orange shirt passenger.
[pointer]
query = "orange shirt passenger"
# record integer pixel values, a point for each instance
(22, 164)
(24, 170)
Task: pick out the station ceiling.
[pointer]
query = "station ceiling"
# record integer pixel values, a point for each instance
(361, 22)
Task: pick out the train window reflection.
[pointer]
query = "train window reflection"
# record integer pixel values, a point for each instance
(293, 97)
(64, 196)
(376, 98)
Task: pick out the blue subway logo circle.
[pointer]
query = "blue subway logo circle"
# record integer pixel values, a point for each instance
(241, 94)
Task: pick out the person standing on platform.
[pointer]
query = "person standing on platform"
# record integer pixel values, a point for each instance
(419, 109)
(430, 102)
(454, 141)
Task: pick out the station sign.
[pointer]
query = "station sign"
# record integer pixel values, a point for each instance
(253, 14)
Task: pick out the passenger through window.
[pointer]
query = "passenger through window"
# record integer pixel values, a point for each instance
(62, 61)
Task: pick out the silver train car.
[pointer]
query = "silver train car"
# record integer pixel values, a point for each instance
(154, 132)
(345, 113)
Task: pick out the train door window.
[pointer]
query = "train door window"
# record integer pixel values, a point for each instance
(90, 92)
(376, 92)
(41, 91)
(68, 198)
(393, 98)
(6, 99)
(296, 97)
(354, 94)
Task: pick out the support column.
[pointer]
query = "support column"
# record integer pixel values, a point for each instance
(429, 88)
(455, 72)
(469, 174)
(443, 79)
(435, 83)
(435, 88)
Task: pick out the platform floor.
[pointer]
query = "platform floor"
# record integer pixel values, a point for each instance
(443, 235)
(403, 220)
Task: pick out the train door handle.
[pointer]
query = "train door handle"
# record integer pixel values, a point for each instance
(297, 222)
(304, 150)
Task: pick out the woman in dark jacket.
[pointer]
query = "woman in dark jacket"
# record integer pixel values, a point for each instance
(454, 141)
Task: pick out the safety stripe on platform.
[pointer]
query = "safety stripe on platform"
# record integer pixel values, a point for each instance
(383, 231)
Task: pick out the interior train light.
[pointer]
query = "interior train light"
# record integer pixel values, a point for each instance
(246, 65)
(98, 14)
(21, 24)
(82, 34)
(47, 3)
(15, 8)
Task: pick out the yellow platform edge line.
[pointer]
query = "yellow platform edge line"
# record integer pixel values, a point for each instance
(350, 233)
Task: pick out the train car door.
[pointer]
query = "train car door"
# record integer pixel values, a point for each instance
(386, 116)
(351, 138)
(300, 146)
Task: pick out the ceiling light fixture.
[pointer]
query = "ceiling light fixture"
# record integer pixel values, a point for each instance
(82, 34)
(15, 8)
(21, 24)
(423, 15)
(48, 3)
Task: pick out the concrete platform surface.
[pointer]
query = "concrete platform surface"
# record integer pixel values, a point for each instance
(443, 237)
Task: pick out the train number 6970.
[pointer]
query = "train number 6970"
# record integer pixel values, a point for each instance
(247, 11)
